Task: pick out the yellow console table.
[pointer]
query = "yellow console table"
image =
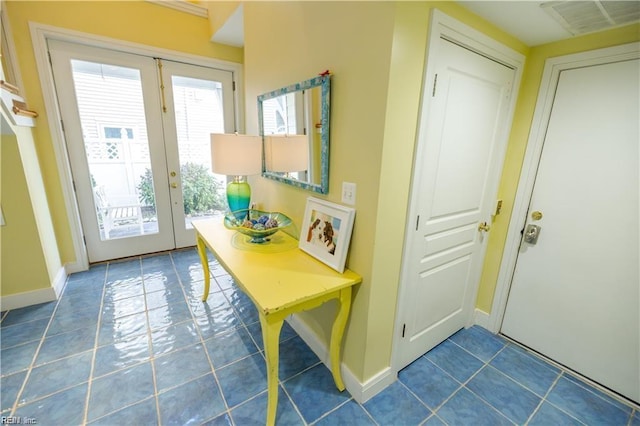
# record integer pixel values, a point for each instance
(281, 280)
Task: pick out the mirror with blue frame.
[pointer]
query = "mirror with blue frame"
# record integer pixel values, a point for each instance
(294, 125)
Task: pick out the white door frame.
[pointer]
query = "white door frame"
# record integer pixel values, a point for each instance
(40, 33)
(541, 117)
(444, 26)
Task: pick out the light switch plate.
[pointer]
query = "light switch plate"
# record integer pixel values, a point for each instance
(349, 193)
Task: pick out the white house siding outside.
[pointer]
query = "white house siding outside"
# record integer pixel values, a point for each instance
(110, 103)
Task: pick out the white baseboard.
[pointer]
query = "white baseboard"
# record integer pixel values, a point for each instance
(482, 319)
(73, 267)
(28, 298)
(59, 281)
(375, 385)
(361, 392)
(43, 295)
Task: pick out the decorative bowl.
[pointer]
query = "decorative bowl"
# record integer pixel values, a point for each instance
(263, 224)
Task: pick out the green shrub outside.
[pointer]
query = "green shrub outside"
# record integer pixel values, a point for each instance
(201, 192)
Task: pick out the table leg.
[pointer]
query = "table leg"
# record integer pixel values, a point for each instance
(202, 251)
(336, 336)
(271, 338)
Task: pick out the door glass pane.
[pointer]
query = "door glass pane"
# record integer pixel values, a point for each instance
(114, 129)
(199, 112)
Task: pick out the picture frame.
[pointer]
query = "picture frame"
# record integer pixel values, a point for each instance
(326, 232)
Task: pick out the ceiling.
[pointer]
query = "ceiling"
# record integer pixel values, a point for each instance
(533, 24)
(524, 19)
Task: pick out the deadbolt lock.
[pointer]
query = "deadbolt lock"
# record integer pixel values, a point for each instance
(173, 174)
(536, 215)
(531, 234)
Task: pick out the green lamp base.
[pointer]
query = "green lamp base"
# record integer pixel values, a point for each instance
(238, 195)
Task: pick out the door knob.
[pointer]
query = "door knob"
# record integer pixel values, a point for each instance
(484, 226)
(174, 185)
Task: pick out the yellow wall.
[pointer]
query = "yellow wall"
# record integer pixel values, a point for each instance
(134, 21)
(376, 51)
(219, 13)
(377, 65)
(519, 136)
(287, 42)
(23, 261)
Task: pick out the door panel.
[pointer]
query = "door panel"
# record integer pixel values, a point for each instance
(138, 137)
(460, 153)
(575, 294)
(110, 107)
(199, 102)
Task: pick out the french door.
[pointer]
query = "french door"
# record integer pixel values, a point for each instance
(137, 132)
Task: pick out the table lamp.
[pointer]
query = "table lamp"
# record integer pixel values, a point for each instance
(286, 153)
(238, 156)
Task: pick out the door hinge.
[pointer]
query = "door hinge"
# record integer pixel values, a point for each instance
(404, 327)
(435, 83)
(84, 239)
(160, 76)
(73, 183)
(62, 125)
(233, 86)
(49, 55)
(417, 222)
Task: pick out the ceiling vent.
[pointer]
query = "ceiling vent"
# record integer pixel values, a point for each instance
(581, 17)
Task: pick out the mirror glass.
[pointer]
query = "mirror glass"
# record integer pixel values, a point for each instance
(294, 125)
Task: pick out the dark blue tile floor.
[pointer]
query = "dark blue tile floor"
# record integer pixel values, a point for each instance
(130, 342)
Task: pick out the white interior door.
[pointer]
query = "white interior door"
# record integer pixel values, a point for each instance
(575, 293)
(459, 159)
(138, 142)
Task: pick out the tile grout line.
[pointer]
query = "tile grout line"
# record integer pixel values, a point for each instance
(544, 399)
(581, 381)
(37, 352)
(284, 389)
(464, 384)
(486, 364)
(95, 345)
(197, 328)
(539, 362)
(152, 355)
(262, 354)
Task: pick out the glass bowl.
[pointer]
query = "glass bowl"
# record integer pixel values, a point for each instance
(271, 223)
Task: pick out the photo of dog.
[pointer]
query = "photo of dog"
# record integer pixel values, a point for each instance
(326, 231)
(322, 233)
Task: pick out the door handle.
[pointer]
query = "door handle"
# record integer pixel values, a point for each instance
(174, 185)
(484, 226)
(531, 234)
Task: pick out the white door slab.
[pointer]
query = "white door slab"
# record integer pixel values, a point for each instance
(575, 294)
(461, 148)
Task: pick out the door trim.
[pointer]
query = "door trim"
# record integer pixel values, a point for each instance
(542, 114)
(448, 28)
(40, 33)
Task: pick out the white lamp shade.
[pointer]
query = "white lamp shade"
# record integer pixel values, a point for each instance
(237, 155)
(286, 153)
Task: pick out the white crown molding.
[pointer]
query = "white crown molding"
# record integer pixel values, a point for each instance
(183, 6)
